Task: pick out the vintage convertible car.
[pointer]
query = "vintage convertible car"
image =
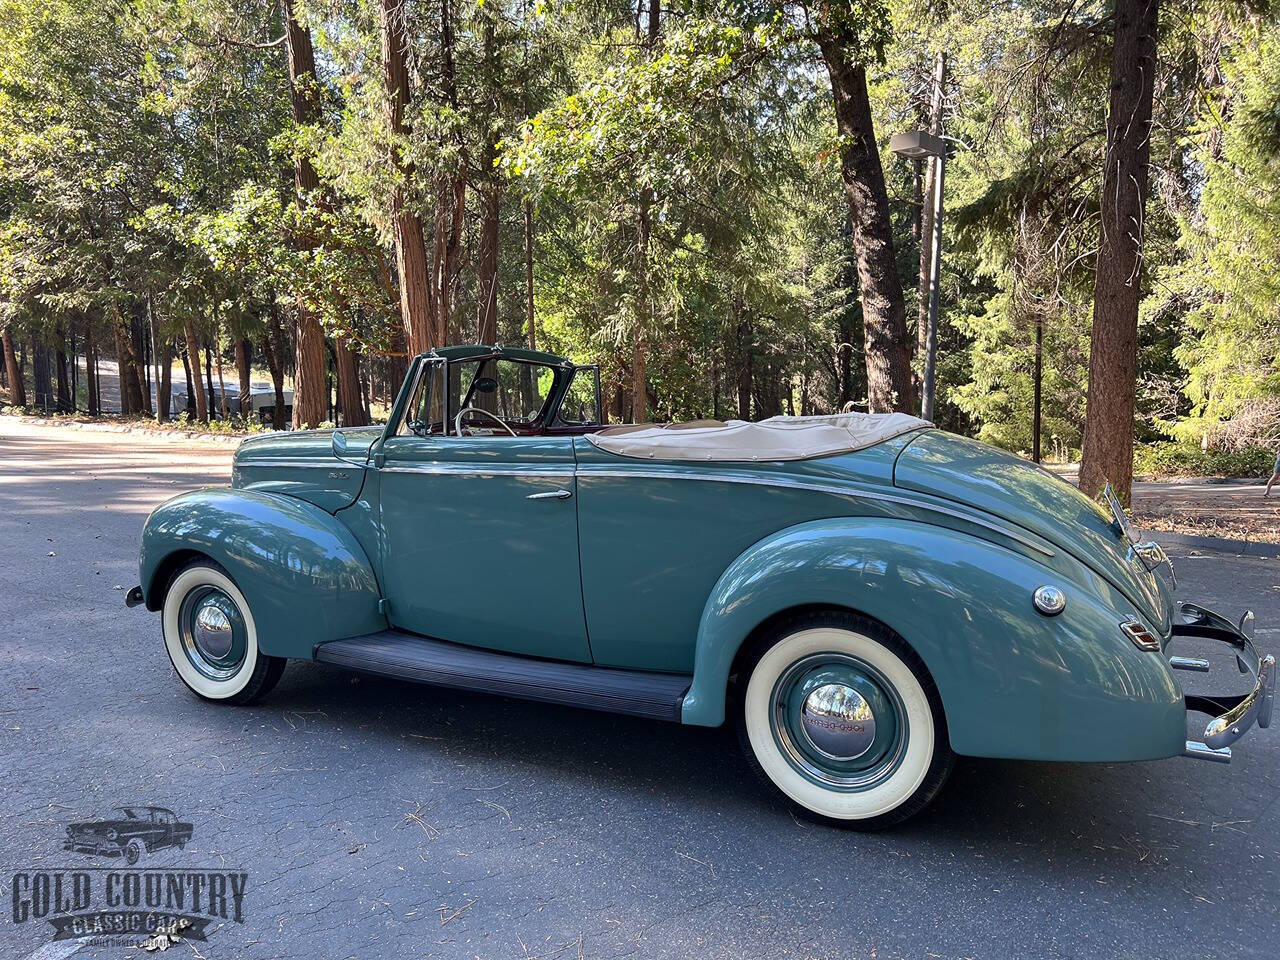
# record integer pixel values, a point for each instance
(865, 596)
(128, 832)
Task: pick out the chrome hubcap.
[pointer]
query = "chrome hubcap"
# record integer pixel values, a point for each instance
(214, 636)
(838, 721)
(213, 632)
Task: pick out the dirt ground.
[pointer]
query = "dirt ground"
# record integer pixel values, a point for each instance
(1203, 507)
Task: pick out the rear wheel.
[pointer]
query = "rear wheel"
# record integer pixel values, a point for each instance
(840, 715)
(211, 638)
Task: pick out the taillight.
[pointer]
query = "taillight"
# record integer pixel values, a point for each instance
(1142, 638)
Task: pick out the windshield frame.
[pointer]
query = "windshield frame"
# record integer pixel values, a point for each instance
(545, 423)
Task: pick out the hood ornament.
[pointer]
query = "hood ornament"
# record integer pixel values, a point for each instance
(1150, 554)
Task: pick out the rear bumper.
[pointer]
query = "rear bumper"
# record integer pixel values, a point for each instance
(1233, 714)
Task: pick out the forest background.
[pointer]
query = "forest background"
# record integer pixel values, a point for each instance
(699, 196)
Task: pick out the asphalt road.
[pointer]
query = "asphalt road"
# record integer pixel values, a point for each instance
(382, 819)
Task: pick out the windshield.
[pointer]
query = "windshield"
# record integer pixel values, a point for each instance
(512, 390)
(127, 813)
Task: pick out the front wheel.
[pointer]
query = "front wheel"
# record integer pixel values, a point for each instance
(133, 851)
(841, 716)
(211, 638)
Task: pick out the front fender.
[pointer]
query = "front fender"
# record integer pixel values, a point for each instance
(306, 578)
(1013, 683)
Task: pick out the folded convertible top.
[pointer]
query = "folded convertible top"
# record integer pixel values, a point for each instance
(778, 438)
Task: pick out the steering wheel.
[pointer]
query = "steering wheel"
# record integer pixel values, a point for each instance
(457, 421)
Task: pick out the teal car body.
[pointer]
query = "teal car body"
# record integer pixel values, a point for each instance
(642, 581)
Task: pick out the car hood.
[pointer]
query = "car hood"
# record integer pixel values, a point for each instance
(1021, 492)
(301, 463)
(309, 443)
(100, 826)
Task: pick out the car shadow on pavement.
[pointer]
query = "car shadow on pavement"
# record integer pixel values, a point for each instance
(1044, 818)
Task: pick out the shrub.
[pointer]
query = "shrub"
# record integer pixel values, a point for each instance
(1174, 459)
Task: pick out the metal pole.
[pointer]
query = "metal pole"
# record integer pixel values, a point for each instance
(935, 260)
(1035, 416)
(935, 284)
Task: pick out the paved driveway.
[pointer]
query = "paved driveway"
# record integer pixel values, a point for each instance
(378, 819)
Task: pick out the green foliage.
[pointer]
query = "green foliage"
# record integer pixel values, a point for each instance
(146, 169)
(1175, 459)
(1228, 283)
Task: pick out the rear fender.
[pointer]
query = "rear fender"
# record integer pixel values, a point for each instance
(1013, 683)
(304, 574)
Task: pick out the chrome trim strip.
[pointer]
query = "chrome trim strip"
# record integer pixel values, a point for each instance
(1194, 664)
(1199, 751)
(589, 472)
(299, 464)
(568, 475)
(467, 469)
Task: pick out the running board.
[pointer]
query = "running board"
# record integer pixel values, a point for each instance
(407, 656)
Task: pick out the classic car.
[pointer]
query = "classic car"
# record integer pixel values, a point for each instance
(128, 832)
(260, 400)
(864, 596)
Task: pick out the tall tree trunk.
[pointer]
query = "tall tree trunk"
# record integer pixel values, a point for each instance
(244, 354)
(127, 368)
(195, 388)
(208, 379)
(348, 370)
(490, 195)
(451, 193)
(888, 344)
(91, 366)
(17, 390)
(528, 274)
(309, 389)
(1113, 351)
(64, 387)
(164, 386)
(138, 341)
(273, 350)
(222, 384)
(411, 251)
(190, 407)
(41, 376)
(746, 360)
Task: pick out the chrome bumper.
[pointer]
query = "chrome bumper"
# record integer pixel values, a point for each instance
(1233, 715)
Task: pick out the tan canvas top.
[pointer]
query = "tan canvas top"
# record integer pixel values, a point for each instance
(778, 438)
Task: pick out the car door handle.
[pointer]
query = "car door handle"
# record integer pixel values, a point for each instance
(551, 495)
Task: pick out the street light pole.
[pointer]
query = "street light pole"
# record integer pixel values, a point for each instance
(935, 285)
(916, 145)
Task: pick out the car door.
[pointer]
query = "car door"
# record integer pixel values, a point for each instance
(480, 542)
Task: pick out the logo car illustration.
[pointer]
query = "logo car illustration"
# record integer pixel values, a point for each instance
(128, 832)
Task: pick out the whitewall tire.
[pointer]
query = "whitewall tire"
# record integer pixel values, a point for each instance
(840, 715)
(212, 639)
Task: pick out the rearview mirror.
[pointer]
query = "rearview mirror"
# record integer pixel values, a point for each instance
(339, 444)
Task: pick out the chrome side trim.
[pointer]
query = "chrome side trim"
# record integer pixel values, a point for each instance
(299, 464)
(467, 469)
(790, 484)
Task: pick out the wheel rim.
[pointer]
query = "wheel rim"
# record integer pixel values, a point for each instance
(213, 632)
(839, 722)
